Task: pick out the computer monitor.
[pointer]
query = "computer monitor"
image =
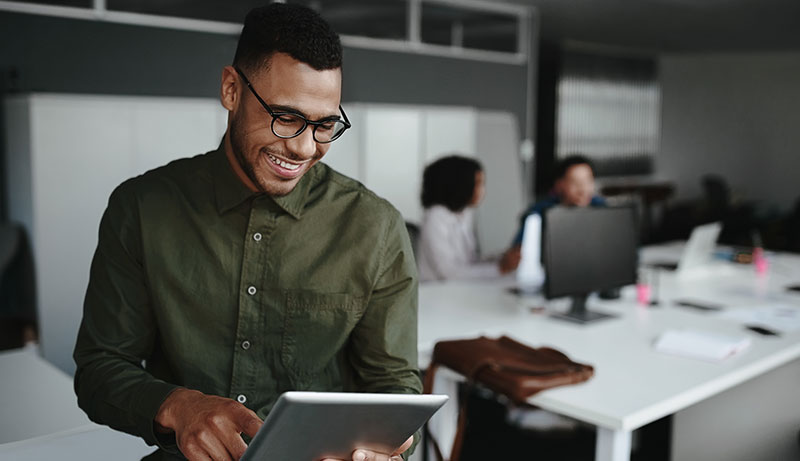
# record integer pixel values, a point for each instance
(587, 250)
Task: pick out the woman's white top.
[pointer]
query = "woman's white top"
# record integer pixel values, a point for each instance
(447, 248)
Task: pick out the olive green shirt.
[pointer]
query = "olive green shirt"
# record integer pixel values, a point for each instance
(199, 282)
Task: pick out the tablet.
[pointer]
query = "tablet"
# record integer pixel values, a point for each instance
(310, 426)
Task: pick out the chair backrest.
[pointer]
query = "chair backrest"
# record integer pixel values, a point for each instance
(717, 193)
(413, 234)
(17, 287)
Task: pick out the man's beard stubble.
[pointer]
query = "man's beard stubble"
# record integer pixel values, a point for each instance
(236, 137)
(238, 152)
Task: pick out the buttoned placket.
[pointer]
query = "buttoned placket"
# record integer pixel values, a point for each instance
(247, 349)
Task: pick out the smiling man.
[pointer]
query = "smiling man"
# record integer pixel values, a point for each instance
(222, 280)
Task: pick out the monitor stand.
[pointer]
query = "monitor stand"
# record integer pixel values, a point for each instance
(578, 313)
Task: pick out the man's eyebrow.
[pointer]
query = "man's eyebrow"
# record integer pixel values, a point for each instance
(293, 110)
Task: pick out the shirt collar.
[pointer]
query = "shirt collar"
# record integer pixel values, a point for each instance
(230, 190)
(295, 201)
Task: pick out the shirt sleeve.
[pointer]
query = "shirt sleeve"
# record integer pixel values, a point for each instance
(384, 343)
(118, 329)
(441, 258)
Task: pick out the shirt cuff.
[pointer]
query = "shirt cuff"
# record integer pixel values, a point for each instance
(152, 396)
(417, 437)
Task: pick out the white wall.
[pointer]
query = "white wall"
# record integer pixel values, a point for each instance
(66, 153)
(734, 115)
(756, 420)
(390, 144)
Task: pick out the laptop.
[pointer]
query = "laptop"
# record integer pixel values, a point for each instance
(699, 250)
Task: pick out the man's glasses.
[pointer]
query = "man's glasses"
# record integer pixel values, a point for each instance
(289, 124)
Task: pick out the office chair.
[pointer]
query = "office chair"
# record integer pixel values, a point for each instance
(413, 234)
(793, 229)
(717, 196)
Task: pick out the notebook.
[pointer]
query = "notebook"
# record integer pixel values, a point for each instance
(699, 344)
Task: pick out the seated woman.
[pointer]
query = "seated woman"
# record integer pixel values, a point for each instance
(447, 248)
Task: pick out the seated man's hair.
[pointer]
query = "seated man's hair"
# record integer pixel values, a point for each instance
(566, 163)
(295, 30)
(449, 181)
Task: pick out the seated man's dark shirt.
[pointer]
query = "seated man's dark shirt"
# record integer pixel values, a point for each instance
(543, 205)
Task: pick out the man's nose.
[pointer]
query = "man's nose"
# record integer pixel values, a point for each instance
(303, 145)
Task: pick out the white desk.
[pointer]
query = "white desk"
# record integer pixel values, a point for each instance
(90, 442)
(40, 418)
(36, 398)
(633, 384)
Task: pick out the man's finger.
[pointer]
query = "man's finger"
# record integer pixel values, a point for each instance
(234, 444)
(405, 446)
(247, 421)
(214, 447)
(366, 455)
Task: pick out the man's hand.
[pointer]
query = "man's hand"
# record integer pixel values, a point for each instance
(206, 426)
(366, 455)
(510, 259)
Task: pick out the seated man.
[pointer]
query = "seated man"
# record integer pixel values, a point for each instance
(573, 186)
(223, 280)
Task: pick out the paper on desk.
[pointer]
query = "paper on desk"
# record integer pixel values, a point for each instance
(699, 344)
(783, 318)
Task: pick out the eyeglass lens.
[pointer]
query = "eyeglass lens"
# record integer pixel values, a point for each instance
(290, 125)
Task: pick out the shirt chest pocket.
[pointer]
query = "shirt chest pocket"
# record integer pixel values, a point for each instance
(316, 327)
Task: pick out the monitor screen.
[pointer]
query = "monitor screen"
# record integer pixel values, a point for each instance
(589, 249)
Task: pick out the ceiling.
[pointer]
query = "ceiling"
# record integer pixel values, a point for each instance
(673, 26)
(660, 26)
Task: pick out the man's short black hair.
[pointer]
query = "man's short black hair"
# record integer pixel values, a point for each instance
(566, 163)
(450, 181)
(293, 29)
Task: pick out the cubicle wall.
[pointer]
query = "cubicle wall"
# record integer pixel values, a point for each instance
(66, 153)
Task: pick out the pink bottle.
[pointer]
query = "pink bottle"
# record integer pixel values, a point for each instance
(759, 261)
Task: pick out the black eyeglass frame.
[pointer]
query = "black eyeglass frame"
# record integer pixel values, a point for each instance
(306, 122)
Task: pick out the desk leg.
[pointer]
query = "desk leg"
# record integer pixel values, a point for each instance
(612, 445)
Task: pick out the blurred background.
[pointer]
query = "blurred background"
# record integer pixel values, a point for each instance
(689, 110)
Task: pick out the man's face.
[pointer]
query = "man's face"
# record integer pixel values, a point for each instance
(271, 164)
(576, 188)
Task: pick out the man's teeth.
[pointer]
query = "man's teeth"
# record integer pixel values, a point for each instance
(287, 165)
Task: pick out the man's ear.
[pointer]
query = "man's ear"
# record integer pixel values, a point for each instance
(230, 88)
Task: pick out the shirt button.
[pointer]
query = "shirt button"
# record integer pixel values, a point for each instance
(251, 290)
(241, 398)
(257, 236)
(245, 344)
